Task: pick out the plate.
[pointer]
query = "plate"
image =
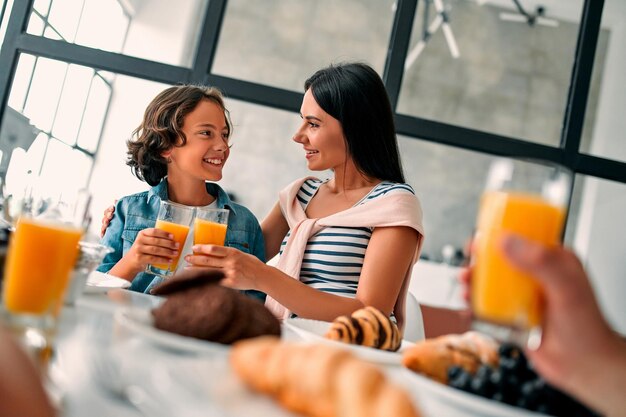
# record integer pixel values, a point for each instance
(136, 322)
(314, 331)
(100, 282)
(437, 399)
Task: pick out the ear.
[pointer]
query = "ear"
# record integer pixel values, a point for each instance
(166, 154)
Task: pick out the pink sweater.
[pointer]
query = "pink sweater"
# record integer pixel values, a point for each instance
(397, 209)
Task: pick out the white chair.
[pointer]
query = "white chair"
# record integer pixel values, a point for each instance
(414, 327)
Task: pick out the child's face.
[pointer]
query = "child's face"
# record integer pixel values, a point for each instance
(204, 154)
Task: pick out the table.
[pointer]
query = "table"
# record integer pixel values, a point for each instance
(169, 383)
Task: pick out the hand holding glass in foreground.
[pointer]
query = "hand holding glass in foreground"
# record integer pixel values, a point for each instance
(579, 353)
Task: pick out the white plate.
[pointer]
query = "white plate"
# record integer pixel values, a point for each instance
(139, 323)
(437, 399)
(100, 282)
(314, 331)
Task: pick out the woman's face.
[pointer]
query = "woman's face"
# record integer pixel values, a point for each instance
(204, 154)
(321, 136)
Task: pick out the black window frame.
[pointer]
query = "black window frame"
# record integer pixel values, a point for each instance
(567, 153)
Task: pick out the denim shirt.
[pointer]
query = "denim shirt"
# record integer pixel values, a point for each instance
(139, 211)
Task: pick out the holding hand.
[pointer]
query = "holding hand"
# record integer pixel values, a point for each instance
(106, 218)
(152, 246)
(241, 270)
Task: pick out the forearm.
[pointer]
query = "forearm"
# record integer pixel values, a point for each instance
(304, 301)
(125, 269)
(601, 387)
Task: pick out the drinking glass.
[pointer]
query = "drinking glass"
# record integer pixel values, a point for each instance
(42, 252)
(527, 198)
(89, 257)
(176, 219)
(210, 226)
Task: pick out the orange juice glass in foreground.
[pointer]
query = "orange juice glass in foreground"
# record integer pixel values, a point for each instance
(40, 258)
(176, 219)
(210, 226)
(528, 200)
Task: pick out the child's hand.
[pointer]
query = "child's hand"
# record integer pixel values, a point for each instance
(152, 246)
(106, 218)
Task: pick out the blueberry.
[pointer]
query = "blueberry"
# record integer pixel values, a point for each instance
(454, 371)
(462, 381)
(506, 349)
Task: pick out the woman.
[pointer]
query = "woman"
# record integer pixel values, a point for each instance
(182, 142)
(346, 242)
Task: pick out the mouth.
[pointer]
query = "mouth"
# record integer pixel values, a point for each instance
(213, 161)
(311, 153)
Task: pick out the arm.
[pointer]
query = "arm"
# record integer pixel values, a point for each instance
(579, 353)
(387, 259)
(274, 228)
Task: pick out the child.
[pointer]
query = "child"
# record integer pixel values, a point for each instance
(182, 142)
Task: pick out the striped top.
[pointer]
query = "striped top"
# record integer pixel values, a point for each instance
(334, 256)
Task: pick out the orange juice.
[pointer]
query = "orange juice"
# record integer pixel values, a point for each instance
(40, 258)
(208, 232)
(501, 293)
(180, 235)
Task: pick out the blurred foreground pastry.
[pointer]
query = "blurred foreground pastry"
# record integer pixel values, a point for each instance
(318, 380)
(197, 306)
(433, 357)
(366, 327)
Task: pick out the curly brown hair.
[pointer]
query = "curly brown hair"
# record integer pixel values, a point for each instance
(162, 126)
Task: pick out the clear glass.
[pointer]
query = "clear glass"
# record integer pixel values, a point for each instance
(175, 219)
(43, 251)
(21, 81)
(510, 78)
(605, 136)
(283, 42)
(527, 198)
(95, 112)
(210, 226)
(72, 103)
(44, 92)
(158, 30)
(89, 257)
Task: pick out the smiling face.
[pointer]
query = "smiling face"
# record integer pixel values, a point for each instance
(321, 136)
(206, 148)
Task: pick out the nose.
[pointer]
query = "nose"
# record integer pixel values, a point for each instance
(298, 137)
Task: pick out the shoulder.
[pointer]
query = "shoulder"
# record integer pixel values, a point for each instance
(243, 214)
(143, 204)
(386, 188)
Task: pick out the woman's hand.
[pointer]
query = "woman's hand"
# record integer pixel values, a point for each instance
(106, 218)
(151, 246)
(242, 271)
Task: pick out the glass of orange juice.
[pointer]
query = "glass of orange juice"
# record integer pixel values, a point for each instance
(210, 226)
(41, 255)
(528, 198)
(176, 219)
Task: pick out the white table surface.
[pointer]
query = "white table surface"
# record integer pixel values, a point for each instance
(197, 383)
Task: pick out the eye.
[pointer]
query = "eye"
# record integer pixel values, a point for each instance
(313, 125)
(206, 133)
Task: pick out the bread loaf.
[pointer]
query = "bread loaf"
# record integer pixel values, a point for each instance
(318, 380)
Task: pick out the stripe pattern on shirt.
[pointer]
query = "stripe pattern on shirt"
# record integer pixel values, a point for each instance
(333, 258)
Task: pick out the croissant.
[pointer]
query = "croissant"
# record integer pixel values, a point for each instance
(318, 380)
(366, 327)
(433, 357)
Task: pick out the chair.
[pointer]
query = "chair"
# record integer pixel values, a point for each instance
(414, 328)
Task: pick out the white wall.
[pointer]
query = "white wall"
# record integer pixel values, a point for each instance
(601, 231)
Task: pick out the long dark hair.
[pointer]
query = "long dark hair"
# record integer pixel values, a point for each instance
(162, 126)
(354, 94)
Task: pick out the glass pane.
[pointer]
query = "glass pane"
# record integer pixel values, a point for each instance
(54, 171)
(510, 78)
(604, 135)
(285, 41)
(51, 33)
(72, 103)
(64, 16)
(42, 6)
(5, 20)
(21, 81)
(95, 111)
(149, 29)
(35, 25)
(44, 93)
(600, 238)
